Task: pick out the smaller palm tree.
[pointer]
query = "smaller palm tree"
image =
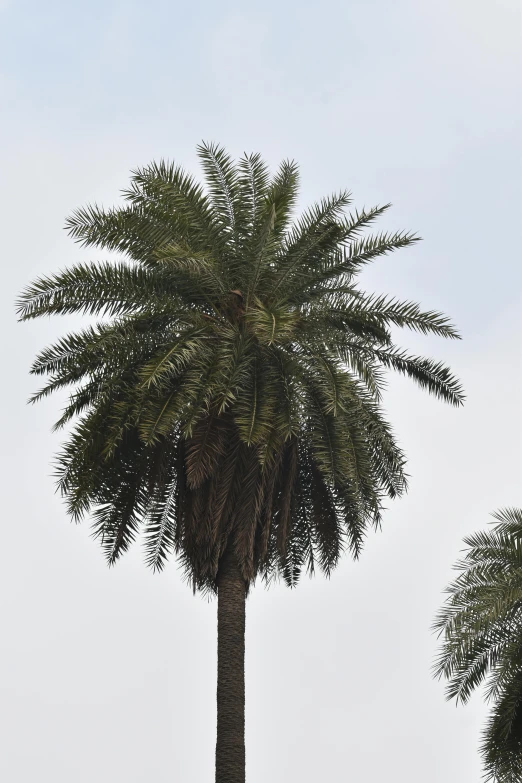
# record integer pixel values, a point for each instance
(481, 624)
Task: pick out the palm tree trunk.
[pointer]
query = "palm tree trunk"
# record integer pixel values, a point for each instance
(230, 745)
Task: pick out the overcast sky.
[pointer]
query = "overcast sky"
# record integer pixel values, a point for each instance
(109, 675)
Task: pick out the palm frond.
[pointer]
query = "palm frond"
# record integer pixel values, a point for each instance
(434, 376)
(107, 288)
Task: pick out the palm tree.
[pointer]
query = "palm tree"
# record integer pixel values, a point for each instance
(481, 624)
(229, 404)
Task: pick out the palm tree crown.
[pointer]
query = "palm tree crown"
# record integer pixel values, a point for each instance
(231, 395)
(481, 624)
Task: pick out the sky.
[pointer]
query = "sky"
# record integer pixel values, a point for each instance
(109, 674)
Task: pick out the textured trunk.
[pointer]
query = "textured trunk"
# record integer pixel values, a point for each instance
(230, 745)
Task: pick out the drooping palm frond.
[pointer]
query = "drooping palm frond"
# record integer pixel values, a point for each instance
(232, 395)
(481, 629)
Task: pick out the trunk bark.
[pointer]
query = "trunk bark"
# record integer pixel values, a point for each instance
(230, 745)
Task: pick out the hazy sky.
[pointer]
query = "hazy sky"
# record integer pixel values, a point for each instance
(109, 675)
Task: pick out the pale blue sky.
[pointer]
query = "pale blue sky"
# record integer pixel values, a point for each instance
(109, 675)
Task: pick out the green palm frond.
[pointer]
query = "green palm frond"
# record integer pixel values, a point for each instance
(162, 506)
(108, 288)
(221, 178)
(317, 236)
(169, 362)
(253, 179)
(174, 202)
(390, 311)
(433, 376)
(343, 263)
(317, 232)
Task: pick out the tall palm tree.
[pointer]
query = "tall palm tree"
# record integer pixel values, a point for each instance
(481, 623)
(229, 403)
